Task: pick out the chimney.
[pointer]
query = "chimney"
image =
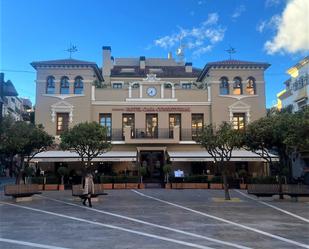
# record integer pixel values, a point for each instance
(188, 67)
(107, 63)
(169, 55)
(142, 62)
(112, 62)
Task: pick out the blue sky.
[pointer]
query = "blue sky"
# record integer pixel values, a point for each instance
(43, 29)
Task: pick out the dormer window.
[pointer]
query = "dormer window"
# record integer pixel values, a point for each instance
(50, 85)
(186, 86)
(224, 86)
(237, 86)
(64, 85)
(251, 87)
(78, 85)
(117, 85)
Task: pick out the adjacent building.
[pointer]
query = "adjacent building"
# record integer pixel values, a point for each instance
(153, 109)
(295, 95)
(296, 89)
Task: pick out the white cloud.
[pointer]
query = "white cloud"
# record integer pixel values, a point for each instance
(202, 50)
(199, 39)
(238, 11)
(270, 3)
(273, 23)
(200, 2)
(292, 29)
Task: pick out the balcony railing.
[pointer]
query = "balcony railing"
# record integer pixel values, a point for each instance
(162, 133)
(190, 134)
(115, 135)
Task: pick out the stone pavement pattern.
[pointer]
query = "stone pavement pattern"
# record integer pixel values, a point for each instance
(56, 220)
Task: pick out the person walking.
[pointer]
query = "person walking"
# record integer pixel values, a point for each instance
(88, 189)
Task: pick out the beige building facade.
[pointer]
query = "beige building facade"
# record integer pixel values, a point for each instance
(153, 109)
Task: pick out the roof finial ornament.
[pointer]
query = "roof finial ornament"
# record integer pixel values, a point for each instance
(180, 51)
(72, 49)
(231, 51)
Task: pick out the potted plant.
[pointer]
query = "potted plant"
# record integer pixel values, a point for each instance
(167, 168)
(29, 172)
(242, 174)
(62, 171)
(216, 183)
(142, 172)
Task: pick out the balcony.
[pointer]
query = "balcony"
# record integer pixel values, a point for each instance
(158, 136)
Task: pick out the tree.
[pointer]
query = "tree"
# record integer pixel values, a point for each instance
(25, 140)
(279, 133)
(88, 140)
(63, 171)
(219, 143)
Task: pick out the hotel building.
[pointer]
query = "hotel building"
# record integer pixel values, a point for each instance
(153, 109)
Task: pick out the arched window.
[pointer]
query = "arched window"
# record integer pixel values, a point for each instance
(64, 85)
(224, 86)
(251, 88)
(50, 85)
(78, 85)
(237, 86)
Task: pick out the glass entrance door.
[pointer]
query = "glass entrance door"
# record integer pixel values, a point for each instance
(151, 125)
(153, 161)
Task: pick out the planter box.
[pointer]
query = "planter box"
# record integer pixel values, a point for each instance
(141, 185)
(168, 185)
(201, 185)
(243, 186)
(41, 187)
(132, 185)
(61, 187)
(107, 185)
(119, 185)
(216, 186)
(48, 187)
(177, 185)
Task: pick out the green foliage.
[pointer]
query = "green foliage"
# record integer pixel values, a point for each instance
(88, 140)
(196, 179)
(63, 171)
(106, 179)
(29, 171)
(242, 173)
(264, 180)
(167, 168)
(143, 171)
(37, 180)
(52, 179)
(220, 142)
(216, 179)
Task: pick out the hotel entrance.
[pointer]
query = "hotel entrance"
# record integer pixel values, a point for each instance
(153, 161)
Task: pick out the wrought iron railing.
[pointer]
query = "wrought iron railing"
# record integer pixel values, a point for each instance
(190, 134)
(152, 133)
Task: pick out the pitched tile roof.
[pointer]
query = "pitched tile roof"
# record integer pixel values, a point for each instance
(67, 62)
(231, 63)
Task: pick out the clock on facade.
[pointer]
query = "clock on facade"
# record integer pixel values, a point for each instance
(151, 91)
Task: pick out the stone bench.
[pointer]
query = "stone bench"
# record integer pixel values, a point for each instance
(269, 190)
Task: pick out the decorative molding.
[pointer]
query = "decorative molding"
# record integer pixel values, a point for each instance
(63, 96)
(149, 102)
(92, 93)
(151, 78)
(238, 97)
(61, 106)
(242, 107)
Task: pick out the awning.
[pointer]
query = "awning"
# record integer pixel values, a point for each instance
(204, 156)
(69, 156)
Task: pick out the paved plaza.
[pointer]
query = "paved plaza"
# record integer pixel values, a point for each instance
(154, 218)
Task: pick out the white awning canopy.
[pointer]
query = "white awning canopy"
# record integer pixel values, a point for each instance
(69, 156)
(204, 156)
